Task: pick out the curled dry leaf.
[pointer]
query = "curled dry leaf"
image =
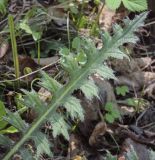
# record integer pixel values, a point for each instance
(99, 131)
(58, 15)
(3, 49)
(130, 111)
(44, 94)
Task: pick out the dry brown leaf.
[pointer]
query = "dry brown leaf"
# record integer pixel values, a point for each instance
(105, 17)
(143, 62)
(99, 130)
(58, 15)
(3, 49)
(148, 77)
(44, 94)
(125, 66)
(135, 80)
(130, 111)
(46, 61)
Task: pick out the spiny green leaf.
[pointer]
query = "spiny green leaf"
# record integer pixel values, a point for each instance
(32, 100)
(59, 126)
(105, 72)
(42, 144)
(26, 155)
(2, 113)
(89, 89)
(70, 64)
(15, 120)
(117, 53)
(74, 108)
(49, 83)
(125, 36)
(5, 141)
(78, 74)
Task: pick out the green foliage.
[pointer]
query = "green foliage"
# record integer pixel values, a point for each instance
(152, 155)
(3, 4)
(109, 156)
(59, 125)
(137, 103)
(122, 90)
(112, 112)
(42, 144)
(131, 154)
(135, 5)
(33, 21)
(63, 104)
(24, 26)
(5, 141)
(90, 89)
(2, 113)
(113, 4)
(3, 124)
(132, 5)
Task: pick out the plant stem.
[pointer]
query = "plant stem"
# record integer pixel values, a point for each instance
(38, 51)
(14, 46)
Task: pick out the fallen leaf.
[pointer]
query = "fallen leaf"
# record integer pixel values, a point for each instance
(99, 130)
(105, 17)
(3, 49)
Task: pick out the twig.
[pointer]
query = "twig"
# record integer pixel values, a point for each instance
(13, 80)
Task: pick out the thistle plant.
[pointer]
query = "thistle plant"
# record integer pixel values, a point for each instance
(80, 62)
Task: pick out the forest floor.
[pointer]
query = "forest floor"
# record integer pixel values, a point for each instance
(133, 93)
